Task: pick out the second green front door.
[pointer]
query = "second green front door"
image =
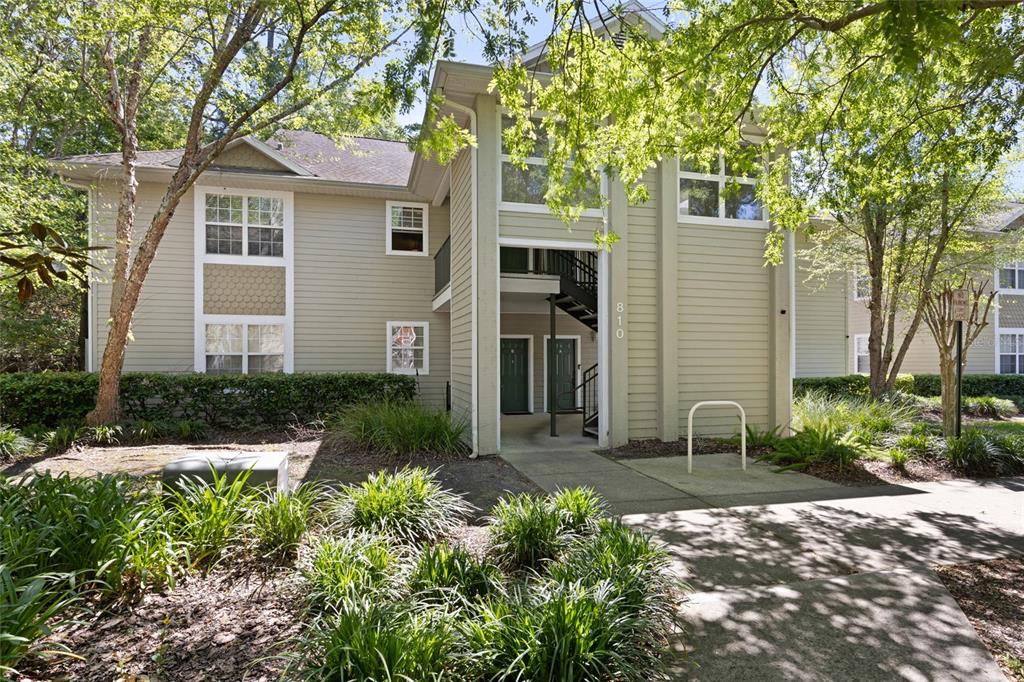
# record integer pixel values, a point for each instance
(515, 376)
(565, 374)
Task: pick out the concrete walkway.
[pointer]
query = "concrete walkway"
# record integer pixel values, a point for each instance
(837, 589)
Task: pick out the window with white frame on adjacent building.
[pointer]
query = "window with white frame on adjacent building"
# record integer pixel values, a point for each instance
(528, 186)
(238, 224)
(719, 191)
(407, 347)
(243, 348)
(861, 360)
(861, 285)
(1011, 353)
(407, 225)
(1012, 277)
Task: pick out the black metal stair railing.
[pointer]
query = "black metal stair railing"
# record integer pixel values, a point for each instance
(590, 406)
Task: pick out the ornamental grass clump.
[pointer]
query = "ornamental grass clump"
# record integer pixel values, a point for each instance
(581, 509)
(350, 565)
(409, 505)
(278, 521)
(448, 572)
(401, 429)
(209, 516)
(526, 531)
(13, 443)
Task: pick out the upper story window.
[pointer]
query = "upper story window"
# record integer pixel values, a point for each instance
(1012, 277)
(238, 224)
(406, 228)
(524, 188)
(718, 192)
(861, 285)
(407, 347)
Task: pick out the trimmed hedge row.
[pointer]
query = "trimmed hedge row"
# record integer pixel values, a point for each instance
(1009, 386)
(233, 400)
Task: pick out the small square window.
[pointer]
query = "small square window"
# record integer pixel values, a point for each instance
(741, 202)
(698, 197)
(407, 347)
(406, 228)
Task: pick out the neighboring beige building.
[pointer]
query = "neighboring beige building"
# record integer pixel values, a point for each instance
(296, 255)
(832, 323)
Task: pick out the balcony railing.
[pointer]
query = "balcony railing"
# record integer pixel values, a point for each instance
(443, 266)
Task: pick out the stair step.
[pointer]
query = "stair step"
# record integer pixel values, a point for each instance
(589, 316)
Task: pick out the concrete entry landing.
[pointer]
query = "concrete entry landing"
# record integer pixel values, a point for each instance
(532, 433)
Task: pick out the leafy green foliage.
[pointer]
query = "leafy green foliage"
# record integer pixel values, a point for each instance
(761, 438)
(192, 429)
(13, 443)
(207, 516)
(106, 434)
(348, 566)
(526, 530)
(444, 572)
(914, 444)
(409, 505)
(41, 334)
(30, 608)
(234, 401)
(581, 509)
(899, 458)
(865, 419)
(145, 430)
(1007, 386)
(819, 444)
(279, 521)
(401, 428)
(977, 453)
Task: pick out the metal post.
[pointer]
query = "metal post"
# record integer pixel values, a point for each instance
(552, 389)
(959, 373)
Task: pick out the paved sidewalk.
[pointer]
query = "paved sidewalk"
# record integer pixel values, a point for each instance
(838, 589)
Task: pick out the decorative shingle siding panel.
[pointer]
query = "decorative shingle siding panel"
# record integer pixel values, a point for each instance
(1011, 311)
(643, 315)
(243, 290)
(723, 325)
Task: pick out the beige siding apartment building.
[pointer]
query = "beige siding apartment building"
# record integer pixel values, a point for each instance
(297, 255)
(832, 322)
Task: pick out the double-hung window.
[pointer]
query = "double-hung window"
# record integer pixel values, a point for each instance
(861, 285)
(406, 228)
(526, 188)
(1011, 277)
(242, 348)
(718, 192)
(861, 359)
(250, 225)
(408, 344)
(1011, 353)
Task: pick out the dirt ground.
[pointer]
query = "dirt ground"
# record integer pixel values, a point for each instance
(991, 594)
(482, 481)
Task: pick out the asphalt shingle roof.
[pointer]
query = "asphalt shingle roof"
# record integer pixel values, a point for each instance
(360, 160)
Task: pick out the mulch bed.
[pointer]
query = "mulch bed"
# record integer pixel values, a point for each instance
(646, 449)
(865, 472)
(991, 594)
(228, 625)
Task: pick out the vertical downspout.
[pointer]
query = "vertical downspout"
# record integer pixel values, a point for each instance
(474, 366)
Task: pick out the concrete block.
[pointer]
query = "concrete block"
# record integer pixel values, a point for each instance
(266, 468)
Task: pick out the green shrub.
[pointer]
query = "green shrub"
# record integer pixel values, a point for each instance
(365, 640)
(971, 453)
(819, 444)
(408, 505)
(208, 517)
(581, 509)
(761, 438)
(848, 386)
(526, 530)
(864, 419)
(442, 571)
(192, 429)
(990, 407)
(29, 609)
(349, 566)
(106, 434)
(280, 520)
(63, 437)
(230, 400)
(914, 444)
(13, 444)
(1006, 386)
(898, 458)
(401, 429)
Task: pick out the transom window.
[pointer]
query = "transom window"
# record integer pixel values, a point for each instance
(237, 224)
(1011, 353)
(530, 185)
(407, 347)
(242, 348)
(407, 228)
(861, 359)
(1012, 276)
(716, 191)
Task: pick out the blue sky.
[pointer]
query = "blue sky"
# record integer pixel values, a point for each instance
(468, 48)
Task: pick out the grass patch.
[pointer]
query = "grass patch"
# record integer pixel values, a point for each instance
(401, 429)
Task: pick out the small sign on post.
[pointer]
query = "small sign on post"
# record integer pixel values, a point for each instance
(960, 305)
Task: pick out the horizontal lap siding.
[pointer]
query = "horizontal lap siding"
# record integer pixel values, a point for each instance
(723, 326)
(525, 225)
(164, 318)
(462, 289)
(820, 323)
(642, 310)
(347, 288)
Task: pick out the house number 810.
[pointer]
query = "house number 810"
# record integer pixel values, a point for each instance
(620, 333)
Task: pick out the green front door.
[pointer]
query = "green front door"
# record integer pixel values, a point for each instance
(515, 376)
(565, 374)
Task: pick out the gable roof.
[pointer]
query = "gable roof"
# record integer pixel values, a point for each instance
(359, 160)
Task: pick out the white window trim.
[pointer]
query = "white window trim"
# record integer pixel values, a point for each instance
(856, 276)
(529, 358)
(426, 347)
(523, 207)
(579, 367)
(201, 258)
(853, 367)
(721, 178)
(1000, 331)
(245, 321)
(1019, 267)
(426, 225)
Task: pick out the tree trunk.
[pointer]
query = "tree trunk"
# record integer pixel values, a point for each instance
(947, 374)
